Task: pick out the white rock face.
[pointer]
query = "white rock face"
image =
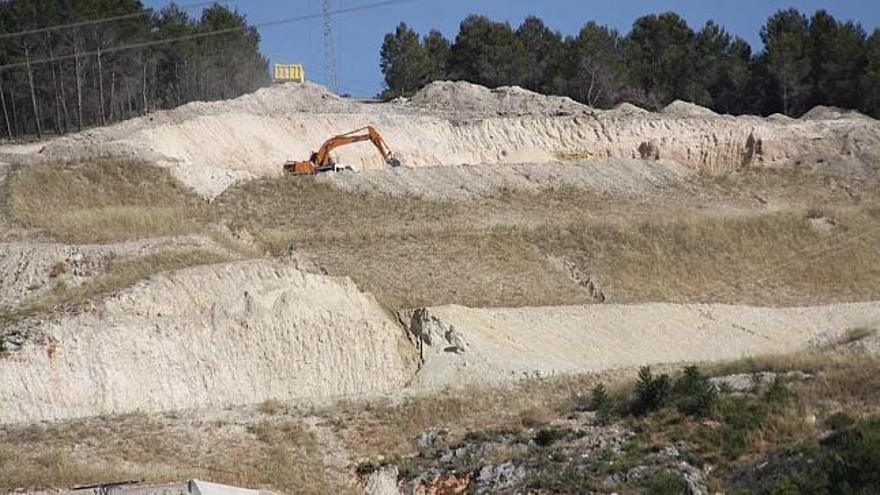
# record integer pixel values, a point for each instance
(211, 146)
(210, 336)
(460, 345)
(245, 332)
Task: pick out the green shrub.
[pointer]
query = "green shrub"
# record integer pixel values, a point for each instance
(694, 394)
(846, 462)
(666, 483)
(552, 434)
(601, 404)
(852, 457)
(652, 392)
(739, 420)
(840, 421)
(777, 394)
(788, 486)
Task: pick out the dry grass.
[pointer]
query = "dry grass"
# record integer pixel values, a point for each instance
(121, 273)
(764, 259)
(499, 251)
(104, 200)
(475, 269)
(278, 454)
(392, 429)
(276, 450)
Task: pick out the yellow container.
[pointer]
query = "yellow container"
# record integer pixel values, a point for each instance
(289, 73)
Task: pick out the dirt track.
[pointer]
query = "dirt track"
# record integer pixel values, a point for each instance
(461, 345)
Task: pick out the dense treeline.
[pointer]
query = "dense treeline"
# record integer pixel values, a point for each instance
(805, 62)
(66, 79)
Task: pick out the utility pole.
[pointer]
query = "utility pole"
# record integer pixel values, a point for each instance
(329, 52)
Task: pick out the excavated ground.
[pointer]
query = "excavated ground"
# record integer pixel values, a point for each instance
(479, 345)
(516, 217)
(210, 146)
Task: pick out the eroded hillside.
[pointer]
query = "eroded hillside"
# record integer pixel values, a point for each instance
(164, 264)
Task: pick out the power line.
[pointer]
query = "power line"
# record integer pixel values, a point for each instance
(148, 44)
(102, 20)
(329, 50)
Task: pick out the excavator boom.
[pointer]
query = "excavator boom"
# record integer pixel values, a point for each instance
(321, 161)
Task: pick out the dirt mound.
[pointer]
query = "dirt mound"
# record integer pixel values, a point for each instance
(467, 345)
(627, 110)
(206, 337)
(460, 97)
(680, 108)
(821, 112)
(277, 100)
(782, 118)
(246, 332)
(210, 146)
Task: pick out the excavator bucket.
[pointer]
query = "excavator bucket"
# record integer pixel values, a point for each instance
(393, 162)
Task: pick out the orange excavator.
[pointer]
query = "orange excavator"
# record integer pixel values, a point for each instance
(320, 160)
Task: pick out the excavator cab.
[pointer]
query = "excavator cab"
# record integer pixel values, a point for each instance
(320, 161)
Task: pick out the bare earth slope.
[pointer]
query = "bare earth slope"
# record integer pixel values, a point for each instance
(247, 332)
(250, 331)
(623, 177)
(210, 336)
(213, 145)
(468, 345)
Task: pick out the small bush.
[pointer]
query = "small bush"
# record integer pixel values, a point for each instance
(840, 421)
(666, 483)
(270, 407)
(853, 458)
(58, 269)
(366, 468)
(777, 394)
(694, 394)
(601, 404)
(740, 420)
(652, 392)
(814, 213)
(550, 435)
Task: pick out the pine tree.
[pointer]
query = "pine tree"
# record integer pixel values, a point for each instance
(786, 58)
(659, 54)
(871, 77)
(487, 53)
(594, 64)
(542, 50)
(404, 61)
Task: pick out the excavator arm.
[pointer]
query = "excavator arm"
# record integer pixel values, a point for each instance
(320, 160)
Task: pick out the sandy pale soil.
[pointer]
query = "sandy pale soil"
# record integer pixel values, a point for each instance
(211, 146)
(246, 332)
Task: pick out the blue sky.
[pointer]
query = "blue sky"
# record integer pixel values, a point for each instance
(358, 35)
